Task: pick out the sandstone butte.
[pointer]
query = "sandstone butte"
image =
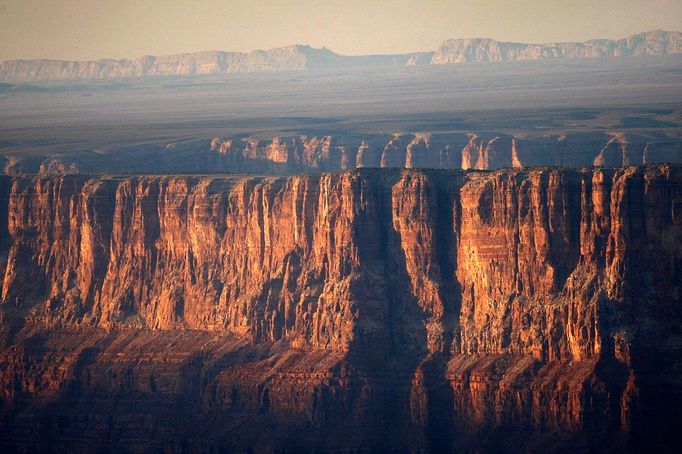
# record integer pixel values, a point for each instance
(377, 308)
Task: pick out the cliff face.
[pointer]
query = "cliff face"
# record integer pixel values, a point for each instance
(378, 308)
(339, 152)
(657, 42)
(211, 62)
(450, 150)
(290, 58)
(300, 57)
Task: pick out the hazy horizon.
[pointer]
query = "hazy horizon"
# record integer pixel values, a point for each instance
(68, 30)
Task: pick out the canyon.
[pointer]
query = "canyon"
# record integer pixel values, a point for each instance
(472, 246)
(304, 57)
(373, 309)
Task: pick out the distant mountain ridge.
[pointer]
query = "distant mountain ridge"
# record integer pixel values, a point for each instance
(301, 57)
(657, 42)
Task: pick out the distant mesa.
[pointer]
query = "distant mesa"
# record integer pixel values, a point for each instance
(483, 50)
(302, 57)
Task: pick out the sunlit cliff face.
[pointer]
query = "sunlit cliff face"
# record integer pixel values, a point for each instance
(484, 151)
(445, 302)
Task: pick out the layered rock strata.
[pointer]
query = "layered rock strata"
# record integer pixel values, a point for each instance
(482, 151)
(375, 309)
(339, 152)
(301, 57)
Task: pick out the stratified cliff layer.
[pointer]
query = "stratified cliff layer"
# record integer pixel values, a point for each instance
(290, 58)
(656, 42)
(482, 151)
(300, 57)
(376, 309)
(340, 152)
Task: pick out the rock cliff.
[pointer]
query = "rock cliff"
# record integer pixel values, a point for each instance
(377, 308)
(477, 50)
(301, 57)
(290, 58)
(482, 151)
(340, 152)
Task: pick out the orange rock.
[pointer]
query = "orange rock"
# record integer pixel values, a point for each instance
(425, 305)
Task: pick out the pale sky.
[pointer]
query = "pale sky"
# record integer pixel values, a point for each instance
(92, 29)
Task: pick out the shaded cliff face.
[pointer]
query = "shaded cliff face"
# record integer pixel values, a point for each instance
(374, 308)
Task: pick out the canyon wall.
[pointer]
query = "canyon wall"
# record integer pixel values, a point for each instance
(477, 50)
(301, 57)
(377, 308)
(340, 152)
(482, 151)
(289, 58)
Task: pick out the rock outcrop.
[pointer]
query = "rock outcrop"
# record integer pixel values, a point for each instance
(383, 309)
(301, 57)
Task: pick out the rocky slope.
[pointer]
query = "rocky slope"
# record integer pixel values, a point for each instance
(300, 57)
(385, 309)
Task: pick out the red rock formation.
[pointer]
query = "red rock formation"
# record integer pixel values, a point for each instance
(449, 151)
(375, 308)
(339, 152)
